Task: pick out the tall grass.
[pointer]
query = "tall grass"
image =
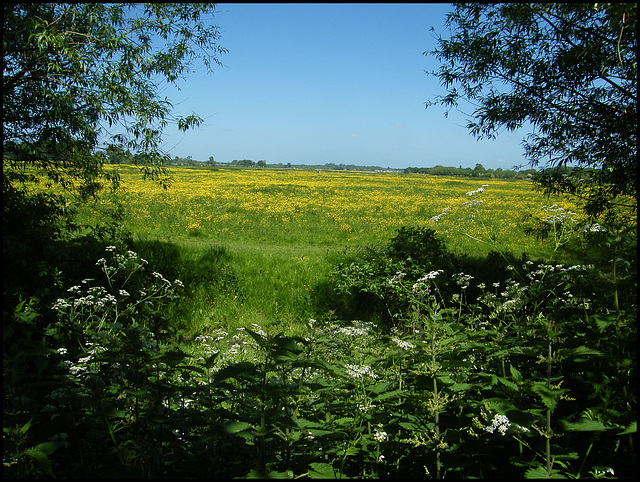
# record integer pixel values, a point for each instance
(333, 209)
(281, 229)
(270, 349)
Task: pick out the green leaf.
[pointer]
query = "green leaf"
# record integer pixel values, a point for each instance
(235, 370)
(260, 340)
(209, 361)
(549, 396)
(378, 387)
(459, 387)
(136, 393)
(604, 321)
(386, 395)
(48, 448)
(515, 374)
(236, 427)
(577, 352)
(41, 458)
(631, 428)
(500, 405)
(273, 474)
(583, 425)
(321, 470)
(171, 357)
(541, 473)
(508, 384)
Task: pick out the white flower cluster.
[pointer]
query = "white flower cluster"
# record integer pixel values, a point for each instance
(360, 371)
(96, 297)
(398, 276)
(558, 215)
(379, 435)
(405, 345)
(437, 217)
(500, 423)
(594, 228)
(479, 190)
(472, 204)
(258, 329)
(420, 286)
(462, 280)
(359, 328)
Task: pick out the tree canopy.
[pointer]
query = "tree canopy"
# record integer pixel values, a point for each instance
(82, 85)
(568, 71)
(80, 76)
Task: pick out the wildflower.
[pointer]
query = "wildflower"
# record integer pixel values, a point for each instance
(474, 203)
(258, 329)
(60, 304)
(379, 436)
(430, 275)
(398, 276)
(594, 228)
(359, 328)
(359, 371)
(462, 279)
(437, 217)
(500, 423)
(480, 189)
(405, 345)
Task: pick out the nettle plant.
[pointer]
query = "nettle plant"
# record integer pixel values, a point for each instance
(543, 357)
(114, 360)
(529, 375)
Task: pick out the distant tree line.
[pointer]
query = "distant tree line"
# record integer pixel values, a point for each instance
(478, 171)
(114, 154)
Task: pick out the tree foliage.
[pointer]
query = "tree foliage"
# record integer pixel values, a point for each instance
(78, 76)
(567, 70)
(83, 83)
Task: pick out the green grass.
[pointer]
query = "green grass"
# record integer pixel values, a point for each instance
(228, 375)
(277, 233)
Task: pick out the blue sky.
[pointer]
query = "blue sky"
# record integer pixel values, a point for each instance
(321, 83)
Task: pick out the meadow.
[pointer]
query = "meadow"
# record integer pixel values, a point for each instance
(283, 229)
(286, 323)
(333, 209)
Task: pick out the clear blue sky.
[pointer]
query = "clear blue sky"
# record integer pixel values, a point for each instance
(320, 83)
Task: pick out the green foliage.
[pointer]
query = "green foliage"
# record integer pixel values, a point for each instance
(569, 71)
(533, 385)
(369, 283)
(73, 76)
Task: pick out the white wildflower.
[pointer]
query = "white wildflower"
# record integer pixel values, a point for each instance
(500, 423)
(379, 435)
(479, 190)
(405, 345)
(360, 371)
(398, 276)
(437, 217)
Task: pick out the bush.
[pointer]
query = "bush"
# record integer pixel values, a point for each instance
(365, 284)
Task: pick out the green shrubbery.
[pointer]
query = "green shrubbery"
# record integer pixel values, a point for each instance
(531, 373)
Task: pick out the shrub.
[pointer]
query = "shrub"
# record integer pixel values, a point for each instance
(367, 285)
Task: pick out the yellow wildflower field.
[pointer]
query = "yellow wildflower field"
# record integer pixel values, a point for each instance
(333, 209)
